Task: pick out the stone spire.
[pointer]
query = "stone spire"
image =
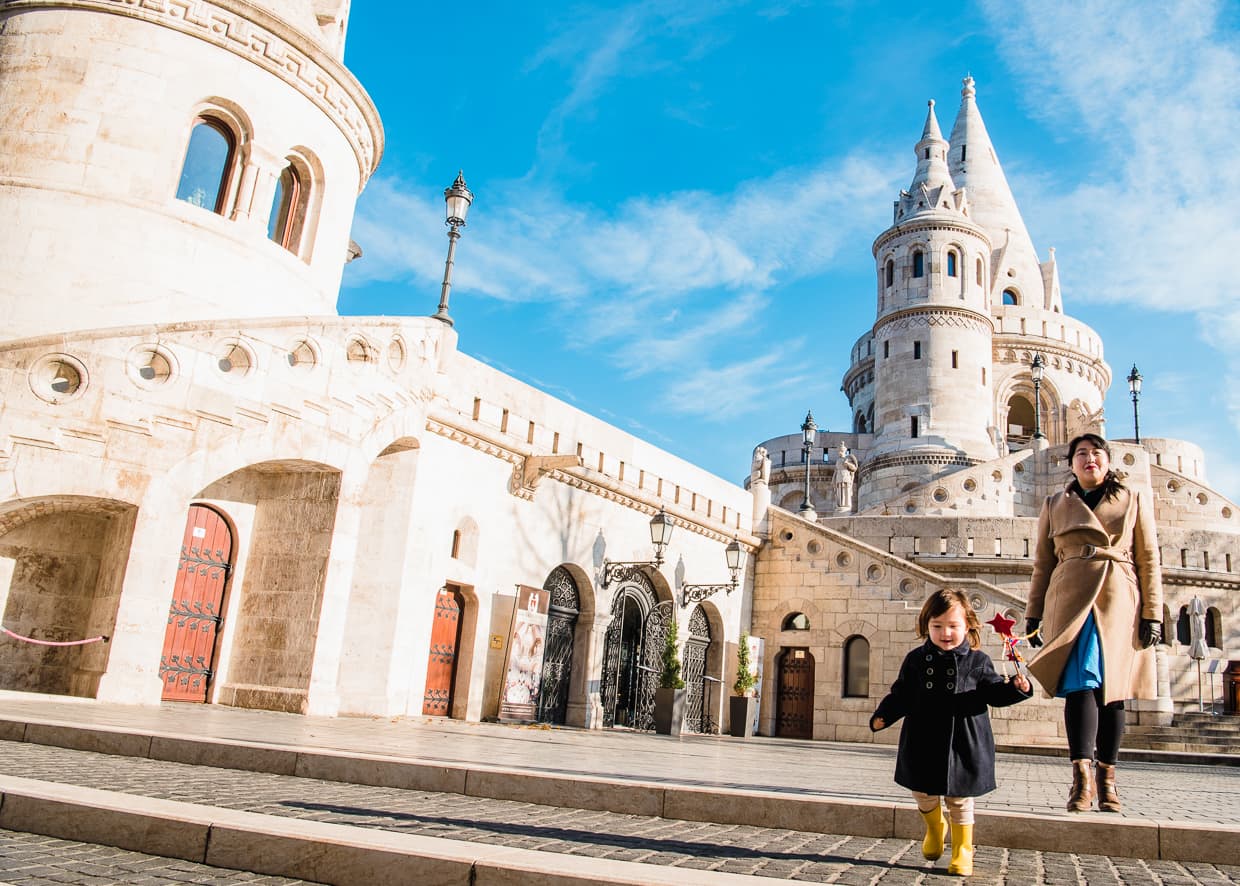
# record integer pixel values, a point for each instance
(974, 167)
(932, 188)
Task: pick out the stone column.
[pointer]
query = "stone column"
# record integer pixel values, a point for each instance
(588, 712)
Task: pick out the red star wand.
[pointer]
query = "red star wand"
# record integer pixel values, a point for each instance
(1003, 627)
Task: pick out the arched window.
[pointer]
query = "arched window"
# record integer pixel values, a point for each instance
(856, 667)
(919, 264)
(208, 165)
(1214, 628)
(796, 621)
(859, 423)
(1184, 627)
(979, 272)
(1010, 297)
(951, 263)
(890, 272)
(288, 209)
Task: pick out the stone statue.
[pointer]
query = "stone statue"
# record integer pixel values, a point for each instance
(760, 472)
(845, 471)
(1083, 420)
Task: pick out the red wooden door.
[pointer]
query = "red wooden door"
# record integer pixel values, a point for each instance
(194, 617)
(441, 665)
(794, 703)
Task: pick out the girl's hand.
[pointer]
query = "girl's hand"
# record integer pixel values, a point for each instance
(1022, 682)
(876, 723)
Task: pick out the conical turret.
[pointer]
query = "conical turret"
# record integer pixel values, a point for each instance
(974, 167)
(932, 188)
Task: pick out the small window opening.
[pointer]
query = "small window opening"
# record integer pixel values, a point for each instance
(890, 272)
(1010, 297)
(796, 621)
(951, 264)
(919, 264)
(856, 667)
(886, 349)
(208, 161)
(955, 359)
(916, 350)
(913, 426)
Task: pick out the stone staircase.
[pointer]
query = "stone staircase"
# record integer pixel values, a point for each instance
(1193, 732)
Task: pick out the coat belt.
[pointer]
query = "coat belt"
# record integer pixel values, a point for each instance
(1095, 552)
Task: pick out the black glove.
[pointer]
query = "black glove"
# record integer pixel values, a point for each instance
(1031, 627)
(1150, 632)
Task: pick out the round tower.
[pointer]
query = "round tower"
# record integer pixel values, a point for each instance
(133, 195)
(931, 342)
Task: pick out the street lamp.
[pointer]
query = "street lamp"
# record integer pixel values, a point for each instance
(733, 553)
(1134, 388)
(456, 206)
(660, 534)
(1035, 369)
(808, 431)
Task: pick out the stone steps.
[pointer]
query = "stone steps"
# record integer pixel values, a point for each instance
(1192, 732)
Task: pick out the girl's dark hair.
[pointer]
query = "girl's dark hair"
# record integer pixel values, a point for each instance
(941, 601)
(1110, 483)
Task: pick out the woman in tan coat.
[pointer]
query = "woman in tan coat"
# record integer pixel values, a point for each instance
(1094, 608)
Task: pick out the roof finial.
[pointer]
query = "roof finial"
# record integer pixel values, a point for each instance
(968, 91)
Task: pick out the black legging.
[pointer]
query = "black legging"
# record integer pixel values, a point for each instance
(1095, 730)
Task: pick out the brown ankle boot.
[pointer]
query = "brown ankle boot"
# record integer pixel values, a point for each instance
(1081, 796)
(1108, 795)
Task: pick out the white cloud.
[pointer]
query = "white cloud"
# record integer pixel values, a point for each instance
(1157, 87)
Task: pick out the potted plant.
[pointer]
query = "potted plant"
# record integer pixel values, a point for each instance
(669, 697)
(741, 704)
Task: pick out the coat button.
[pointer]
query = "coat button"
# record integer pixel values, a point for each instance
(929, 671)
(929, 658)
(950, 671)
(951, 685)
(929, 684)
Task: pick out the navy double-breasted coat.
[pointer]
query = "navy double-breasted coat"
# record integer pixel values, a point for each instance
(946, 745)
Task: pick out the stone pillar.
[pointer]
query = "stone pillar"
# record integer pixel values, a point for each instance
(588, 713)
(132, 675)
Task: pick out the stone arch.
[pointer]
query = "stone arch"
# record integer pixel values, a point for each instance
(62, 563)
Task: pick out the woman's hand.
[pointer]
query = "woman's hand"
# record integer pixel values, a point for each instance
(1032, 634)
(1150, 632)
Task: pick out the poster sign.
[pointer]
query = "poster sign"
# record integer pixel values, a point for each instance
(526, 645)
(756, 649)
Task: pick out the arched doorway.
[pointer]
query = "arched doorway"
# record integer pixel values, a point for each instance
(697, 712)
(557, 667)
(627, 689)
(187, 662)
(1020, 420)
(441, 662)
(794, 702)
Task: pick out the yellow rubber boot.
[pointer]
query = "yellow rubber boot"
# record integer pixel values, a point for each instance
(962, 850)
(932, 846)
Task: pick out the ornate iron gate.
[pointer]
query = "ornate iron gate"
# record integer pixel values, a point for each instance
(187, 661)
(622, 651)
(557, 666)
(697, 713)
(654, 634)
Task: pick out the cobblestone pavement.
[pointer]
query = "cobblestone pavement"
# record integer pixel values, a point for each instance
(767, 852)
(33, 860)
(1027, 783)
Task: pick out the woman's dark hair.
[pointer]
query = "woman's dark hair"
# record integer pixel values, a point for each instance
(941, 601)
(1110, 485)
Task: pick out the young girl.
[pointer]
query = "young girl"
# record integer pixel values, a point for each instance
(947, 751)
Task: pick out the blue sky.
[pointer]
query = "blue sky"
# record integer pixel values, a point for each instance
(675, 201)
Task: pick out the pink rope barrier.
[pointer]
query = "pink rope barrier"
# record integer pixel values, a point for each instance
(101, 637)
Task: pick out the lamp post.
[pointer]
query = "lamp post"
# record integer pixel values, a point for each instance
(456, 206)
(1035, 369)
(733, 553)
(660, 534)
(1134, 388)
(808, 431)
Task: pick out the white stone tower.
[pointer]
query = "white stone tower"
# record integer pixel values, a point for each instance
(931, 342)
(943, 380)
(144, 197)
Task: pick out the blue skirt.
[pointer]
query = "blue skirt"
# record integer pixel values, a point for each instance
(1084, 667)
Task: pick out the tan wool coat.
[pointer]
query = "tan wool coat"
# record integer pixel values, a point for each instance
(1104, 560)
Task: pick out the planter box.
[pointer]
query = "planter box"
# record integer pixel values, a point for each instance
(669, 710)
(740, 715)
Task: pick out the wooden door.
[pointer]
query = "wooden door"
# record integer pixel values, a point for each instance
(441, 665)
(188, 659)
(794, 703)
